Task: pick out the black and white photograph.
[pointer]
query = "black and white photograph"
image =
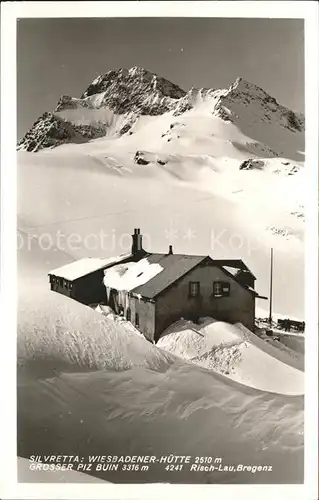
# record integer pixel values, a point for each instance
(163, 198)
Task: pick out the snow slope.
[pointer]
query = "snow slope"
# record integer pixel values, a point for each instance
(235, 352)
(100, 197)
(86, 386)
(199, 140)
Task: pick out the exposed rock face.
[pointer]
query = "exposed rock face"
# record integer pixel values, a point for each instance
(136, 90)
(266, 109)
(251, 164)
(140, 159)
(67, 102)
(50, 131)
(133, 92)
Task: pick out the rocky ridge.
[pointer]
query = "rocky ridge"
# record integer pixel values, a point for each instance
(134, 92)
(50, 130)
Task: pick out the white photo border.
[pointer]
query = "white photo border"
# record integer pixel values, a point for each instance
(10, 12)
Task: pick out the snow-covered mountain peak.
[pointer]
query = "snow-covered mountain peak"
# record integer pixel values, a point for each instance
(134, 80)
(246, 102)
(136, 70)
(242, 87)
(115, 103)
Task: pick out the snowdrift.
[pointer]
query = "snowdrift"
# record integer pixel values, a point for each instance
(85, 386)
(237, 353)
(57, 334)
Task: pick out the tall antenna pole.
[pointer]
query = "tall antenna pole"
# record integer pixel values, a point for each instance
(270, 291)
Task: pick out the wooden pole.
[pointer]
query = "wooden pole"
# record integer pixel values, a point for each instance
(270, 291)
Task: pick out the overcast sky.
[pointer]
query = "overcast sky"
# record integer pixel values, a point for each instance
(63, 56)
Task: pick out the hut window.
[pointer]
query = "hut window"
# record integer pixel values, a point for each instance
(137, 320)
(194, 288)
(221, 289)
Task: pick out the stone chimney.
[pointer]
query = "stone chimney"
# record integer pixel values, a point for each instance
(170, 250)
(137, 242)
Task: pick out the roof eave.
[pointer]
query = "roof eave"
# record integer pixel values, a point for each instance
(261, 297)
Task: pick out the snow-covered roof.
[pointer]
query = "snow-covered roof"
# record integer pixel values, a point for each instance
(130, 275)
(85, 266)
(174, 266)
(145, 277)
(231, 270)
(155, 272)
